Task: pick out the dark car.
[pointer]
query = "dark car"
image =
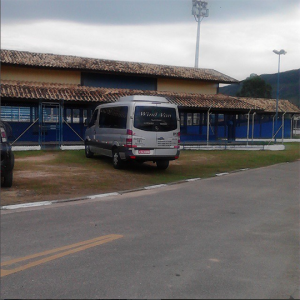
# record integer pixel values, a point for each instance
(7, 156)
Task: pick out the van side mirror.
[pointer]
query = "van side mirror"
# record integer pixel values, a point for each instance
(86, 122)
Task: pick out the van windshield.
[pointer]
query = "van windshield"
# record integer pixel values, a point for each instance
(153, 118)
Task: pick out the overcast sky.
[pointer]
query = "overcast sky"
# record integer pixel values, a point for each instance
(237, 39)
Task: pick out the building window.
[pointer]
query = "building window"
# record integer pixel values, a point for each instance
(203, 119)
(189, 119)
(181, 119)
(50, 114)
(76, 116)
(212, 119)
(68, 115)
(84, 115)
(196, 119)
(17, 113)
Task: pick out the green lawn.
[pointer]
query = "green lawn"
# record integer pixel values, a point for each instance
(51, 175)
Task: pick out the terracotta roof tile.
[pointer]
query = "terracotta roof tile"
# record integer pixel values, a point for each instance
(22, 58)
(30, 90)
(269, 105)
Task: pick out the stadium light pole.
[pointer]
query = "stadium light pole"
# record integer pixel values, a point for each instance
(277, 94)
(199, 11)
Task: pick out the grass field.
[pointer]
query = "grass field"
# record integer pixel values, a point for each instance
(54, 175)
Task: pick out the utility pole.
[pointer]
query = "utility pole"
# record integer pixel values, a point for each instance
(199, 11)
(277, 97)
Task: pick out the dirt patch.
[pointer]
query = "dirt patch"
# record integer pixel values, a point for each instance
(41, 158)
(37, 179)
(29, 174)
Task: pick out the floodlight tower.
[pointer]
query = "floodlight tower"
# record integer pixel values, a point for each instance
(277, 94)
(199, 11)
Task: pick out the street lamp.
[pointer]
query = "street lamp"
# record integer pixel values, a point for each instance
(199, 11)
(277, 97)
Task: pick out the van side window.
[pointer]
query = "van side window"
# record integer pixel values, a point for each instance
(113, 117)
(94, 118)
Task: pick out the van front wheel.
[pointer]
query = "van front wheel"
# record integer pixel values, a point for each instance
(162, 164)
(8, 179)
(117, 162)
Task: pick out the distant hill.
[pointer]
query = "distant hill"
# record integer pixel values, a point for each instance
(289, 86)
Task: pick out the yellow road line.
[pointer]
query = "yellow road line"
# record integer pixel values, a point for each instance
(56, 250)
(70, 250)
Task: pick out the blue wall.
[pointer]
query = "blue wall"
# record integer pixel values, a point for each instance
(118, 81)
(264, 130)
(228, 127)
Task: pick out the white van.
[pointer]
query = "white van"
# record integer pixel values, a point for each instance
(140, 128)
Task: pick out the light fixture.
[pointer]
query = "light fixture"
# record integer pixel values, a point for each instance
(199, 11)
(280, 52)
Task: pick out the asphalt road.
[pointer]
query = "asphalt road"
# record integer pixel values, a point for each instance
(233, 236)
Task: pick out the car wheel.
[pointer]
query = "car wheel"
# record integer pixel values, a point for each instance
(12, 160)
(88, 152)
(162, 164)
(8, 179)
(117, 162)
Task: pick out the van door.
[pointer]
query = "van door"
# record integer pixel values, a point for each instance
(90, 134)
(167, 134)
(112, 127)
(155, 127)
(144, 134)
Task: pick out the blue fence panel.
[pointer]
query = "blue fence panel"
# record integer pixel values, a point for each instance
(211, 133)
(192, 138)
(193, 130)
(241, 131)
(264, 130)
(222, 132)
(70, 136)
(197, 133)
(18, 128)
(287, 129)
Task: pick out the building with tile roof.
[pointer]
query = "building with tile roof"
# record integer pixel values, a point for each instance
(47, 97)
(104, 66)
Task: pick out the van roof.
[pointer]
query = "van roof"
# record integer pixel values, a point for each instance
(143, 98)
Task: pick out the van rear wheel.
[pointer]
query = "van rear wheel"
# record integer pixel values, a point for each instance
(117, 162)
(88, 152)
(162, 164)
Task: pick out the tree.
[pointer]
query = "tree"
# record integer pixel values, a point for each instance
(255, 87)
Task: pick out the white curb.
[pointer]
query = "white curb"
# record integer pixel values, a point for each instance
(154, 186)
